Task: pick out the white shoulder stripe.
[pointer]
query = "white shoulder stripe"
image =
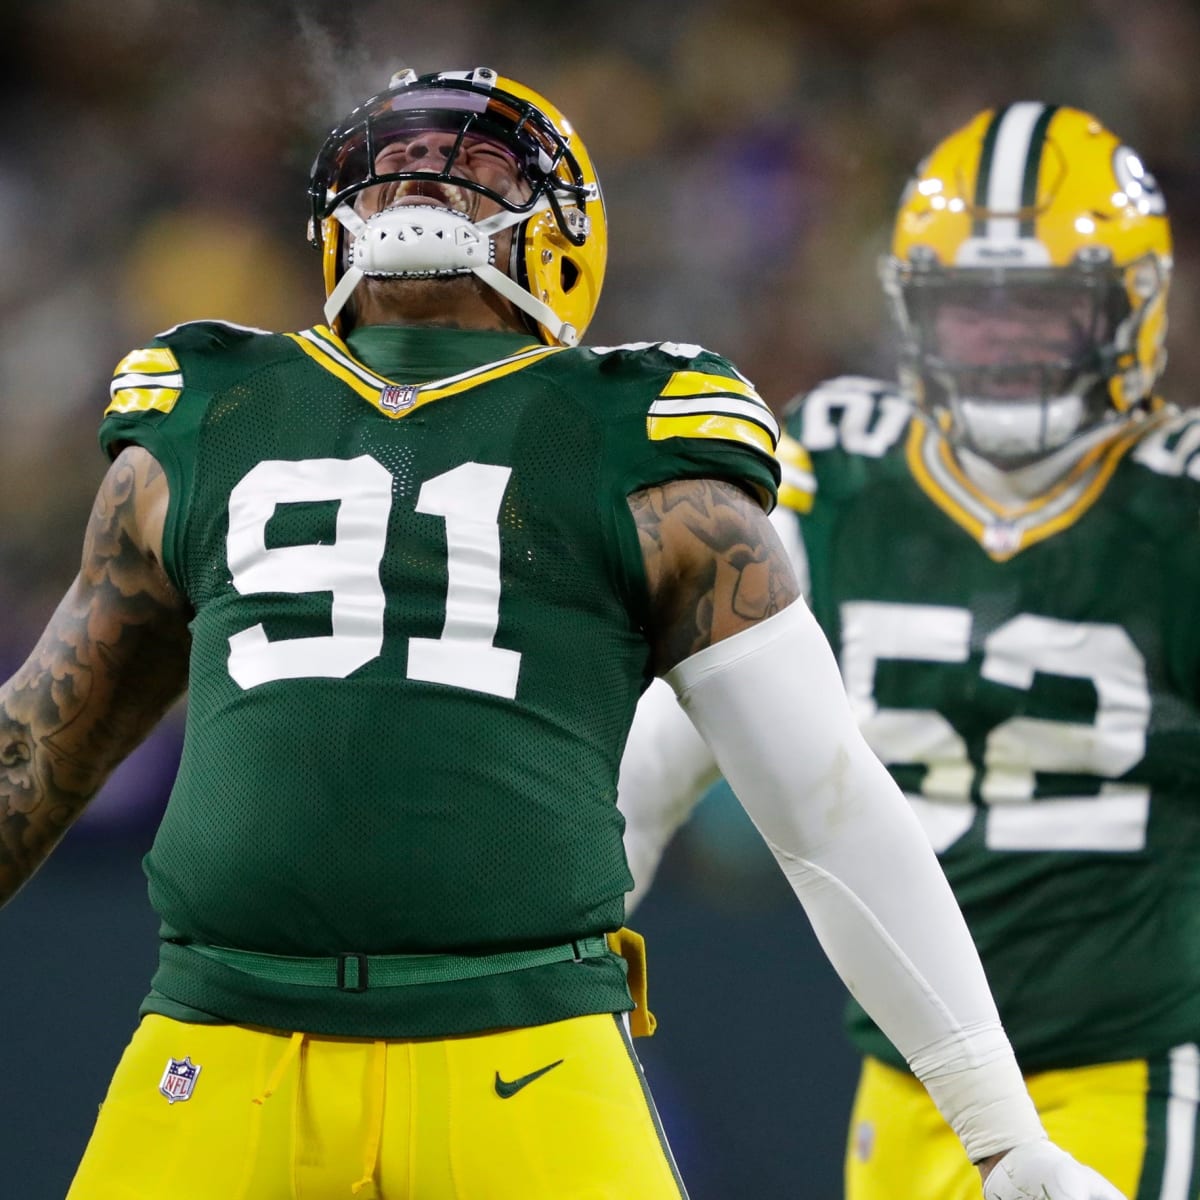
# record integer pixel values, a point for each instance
(728, 406)
(135, 380)
(794, 476)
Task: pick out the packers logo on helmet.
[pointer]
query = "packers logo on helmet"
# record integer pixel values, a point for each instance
(1028, 276)
(559, 233)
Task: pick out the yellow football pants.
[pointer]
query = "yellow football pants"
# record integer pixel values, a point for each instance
(545, 1113)
(1134, 1122)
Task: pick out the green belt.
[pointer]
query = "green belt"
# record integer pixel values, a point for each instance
(357, 972)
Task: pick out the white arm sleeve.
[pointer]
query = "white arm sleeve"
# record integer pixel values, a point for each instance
(665, 770)
(667, 766)
(769, 702)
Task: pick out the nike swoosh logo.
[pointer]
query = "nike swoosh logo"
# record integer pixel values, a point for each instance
(506, 1088)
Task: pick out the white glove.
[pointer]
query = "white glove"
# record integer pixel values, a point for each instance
(1041, 1171)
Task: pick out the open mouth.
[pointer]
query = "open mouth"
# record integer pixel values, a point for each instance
(445, 195)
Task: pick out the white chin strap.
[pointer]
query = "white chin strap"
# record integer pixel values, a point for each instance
(428, 241)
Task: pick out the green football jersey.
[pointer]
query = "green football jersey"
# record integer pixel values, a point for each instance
(417, 647)
(1031, 678)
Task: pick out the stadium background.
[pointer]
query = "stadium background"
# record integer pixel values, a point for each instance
(153, 163)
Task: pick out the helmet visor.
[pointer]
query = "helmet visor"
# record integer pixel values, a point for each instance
(459, 136)
(1017, 339)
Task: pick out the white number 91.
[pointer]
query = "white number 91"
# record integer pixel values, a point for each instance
(467, 497)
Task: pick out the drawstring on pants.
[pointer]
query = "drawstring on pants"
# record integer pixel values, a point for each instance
(376, 1085)
(289, 1056)
(295, 1045)
(376, 1088)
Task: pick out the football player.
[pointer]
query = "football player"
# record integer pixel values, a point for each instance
(1002, 547)
(416, 565)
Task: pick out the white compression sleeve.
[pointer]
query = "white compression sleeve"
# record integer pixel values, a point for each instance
(667, 766)
(769, 702)
(665, 770)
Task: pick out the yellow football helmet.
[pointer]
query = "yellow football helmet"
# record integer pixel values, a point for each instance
(1037, 209)
(560, 233)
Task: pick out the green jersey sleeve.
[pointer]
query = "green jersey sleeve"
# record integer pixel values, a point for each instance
(158, 399)
(678, 412)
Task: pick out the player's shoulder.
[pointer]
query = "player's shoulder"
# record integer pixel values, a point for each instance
(839, 436)
(648, 361)
(856, 414)
(192, 358)
(681, 389)
(686, 407)
(1168, 446)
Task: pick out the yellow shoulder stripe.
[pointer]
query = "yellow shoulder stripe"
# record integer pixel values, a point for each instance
(148, 360)
(710, 425)
(798, 484)
(697, 383)
(147, 379)
(142, 399)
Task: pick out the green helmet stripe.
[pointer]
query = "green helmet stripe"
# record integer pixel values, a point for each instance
(1033, 163)
(983, 180)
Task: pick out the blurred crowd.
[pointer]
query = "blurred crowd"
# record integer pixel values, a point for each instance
(154, 158)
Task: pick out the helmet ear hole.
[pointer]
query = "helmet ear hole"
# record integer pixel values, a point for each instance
(570, 274)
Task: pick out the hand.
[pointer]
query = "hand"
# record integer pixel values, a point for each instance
(1041, 1171)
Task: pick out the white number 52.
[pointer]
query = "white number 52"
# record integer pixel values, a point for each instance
(1017, 749)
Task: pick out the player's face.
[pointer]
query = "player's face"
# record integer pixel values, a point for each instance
(480, 159)
(1010, 329)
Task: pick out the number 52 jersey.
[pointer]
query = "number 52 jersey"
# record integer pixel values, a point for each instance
(1031, 678)
(418, 642)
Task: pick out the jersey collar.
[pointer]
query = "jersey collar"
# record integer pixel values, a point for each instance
(433, 349)
(1003, 528)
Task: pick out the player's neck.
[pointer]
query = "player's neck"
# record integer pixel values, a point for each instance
(1022, 484)
(460, 302)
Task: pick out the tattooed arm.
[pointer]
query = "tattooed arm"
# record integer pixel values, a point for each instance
(714, 565)
(109, 664)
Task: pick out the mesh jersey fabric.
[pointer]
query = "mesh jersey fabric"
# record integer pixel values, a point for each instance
(339, 798)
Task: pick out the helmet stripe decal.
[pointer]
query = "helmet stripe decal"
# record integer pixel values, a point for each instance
(1014, 138)
(1033, 164)
(984, 174)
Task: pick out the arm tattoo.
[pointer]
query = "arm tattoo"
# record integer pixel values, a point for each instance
(714, 565)
(108, 665)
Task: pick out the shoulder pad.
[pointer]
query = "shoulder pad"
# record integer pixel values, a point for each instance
(798, 484)
(210, 333)
(1171, 444)
(695, 393)
(710, 398)
(687, 350)
(150, 379)
(861, 415)
(145, 380)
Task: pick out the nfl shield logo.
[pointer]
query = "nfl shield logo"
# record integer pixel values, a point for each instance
(396, 397)
(1002, 538)
(179, 1079)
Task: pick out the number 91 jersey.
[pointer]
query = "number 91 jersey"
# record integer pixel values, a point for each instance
(417, 647)
(1030, 677)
